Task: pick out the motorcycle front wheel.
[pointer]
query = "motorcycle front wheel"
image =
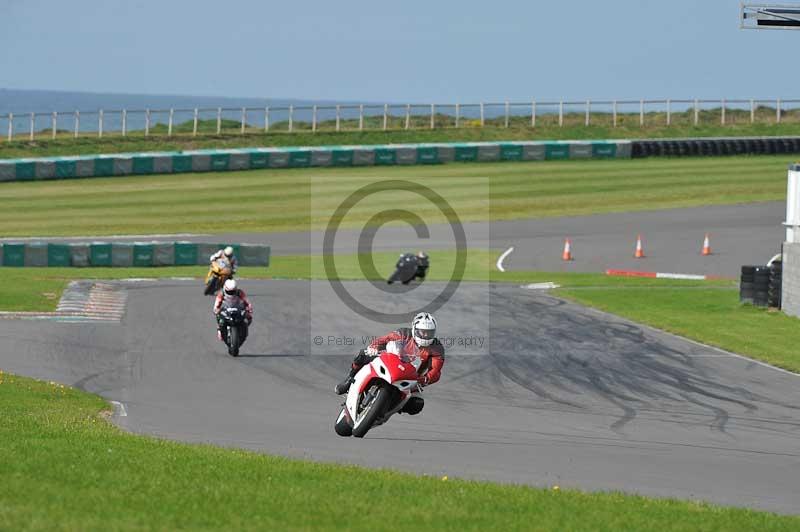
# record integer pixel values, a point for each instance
(233, 341)
(211, 286)
(374, 408)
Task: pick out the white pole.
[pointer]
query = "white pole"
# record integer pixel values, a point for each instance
(561, 113)
(194, 122)
(54, 123)
(482, 115)
(338, 117)
(641, 112)
(219, 120)
(588, 111)
(33, 119)
(506, 121)
(385, 116)
(408, 115)
(10, 126)
(360, 117)
(314, 119)
(146, 122)
(100, 124)
(722, 111)
(169, 121)
(614, 112)
(124, 122)
(433, 114)
(792, 222)
(244, 120)
(752, 111)
(458, 109)
(291, 118)
(669, 112)
(533, 113)
(77, 123)
(778, 111)
(266, 119)
(696, 111)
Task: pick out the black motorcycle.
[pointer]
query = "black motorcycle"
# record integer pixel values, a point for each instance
(409, 267)
(235, 328)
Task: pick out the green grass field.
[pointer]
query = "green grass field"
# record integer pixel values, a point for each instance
(64, 467)
(299, 199)
(519, 129)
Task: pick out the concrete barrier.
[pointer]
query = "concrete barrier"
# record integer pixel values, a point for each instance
(124, 254)
(300, 157)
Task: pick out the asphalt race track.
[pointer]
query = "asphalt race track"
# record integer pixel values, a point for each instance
(558, 395)
(740, 234)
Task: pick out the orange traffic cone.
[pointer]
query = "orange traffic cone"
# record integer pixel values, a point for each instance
(639, 253)
(706, 246)
(567, 255)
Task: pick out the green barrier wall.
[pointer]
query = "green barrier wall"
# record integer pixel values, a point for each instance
(249, 158)
(58, 255)
(125, 254)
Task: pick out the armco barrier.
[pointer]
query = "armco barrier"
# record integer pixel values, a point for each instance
(252, 158)
(124, 254)
(714, 146)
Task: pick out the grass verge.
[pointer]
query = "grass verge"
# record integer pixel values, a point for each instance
(574, 128)
(303, 199)
(39, 289)
(65, 467)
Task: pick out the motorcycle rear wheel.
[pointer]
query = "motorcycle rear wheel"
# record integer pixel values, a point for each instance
(342, 425)
(373, 410)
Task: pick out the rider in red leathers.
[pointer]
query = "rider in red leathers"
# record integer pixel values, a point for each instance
(421, 340)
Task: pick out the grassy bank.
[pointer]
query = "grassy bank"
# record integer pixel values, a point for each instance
(38, 289)
(65, 467)
(302, 199)
(574, 129)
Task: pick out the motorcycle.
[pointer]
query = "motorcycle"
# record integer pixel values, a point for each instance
(379, 390)
(219, 272)
(235, 329)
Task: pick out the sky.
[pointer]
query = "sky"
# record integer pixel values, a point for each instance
(410, 51)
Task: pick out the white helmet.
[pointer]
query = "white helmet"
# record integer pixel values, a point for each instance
(423, 329)
(228, 251)
(230, 286)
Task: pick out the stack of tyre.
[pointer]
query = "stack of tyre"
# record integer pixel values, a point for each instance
(761, 285)
(774, 292)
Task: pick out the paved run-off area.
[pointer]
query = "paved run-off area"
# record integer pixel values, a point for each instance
(559, 395)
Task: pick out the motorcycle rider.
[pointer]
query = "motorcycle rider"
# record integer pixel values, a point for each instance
(423, 263)
(228, 254)
(232, 296)
(420, 339)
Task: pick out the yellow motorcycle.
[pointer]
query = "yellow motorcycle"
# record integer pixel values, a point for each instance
(219, 272)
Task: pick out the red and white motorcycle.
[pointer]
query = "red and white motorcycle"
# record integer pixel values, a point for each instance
(380, 389)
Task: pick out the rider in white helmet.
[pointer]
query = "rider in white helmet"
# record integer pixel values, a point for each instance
(231, 296)
(420, 339)
(227, 252)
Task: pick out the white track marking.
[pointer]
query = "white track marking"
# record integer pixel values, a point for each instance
(119, 407)
(502, 257)
(541, 286)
